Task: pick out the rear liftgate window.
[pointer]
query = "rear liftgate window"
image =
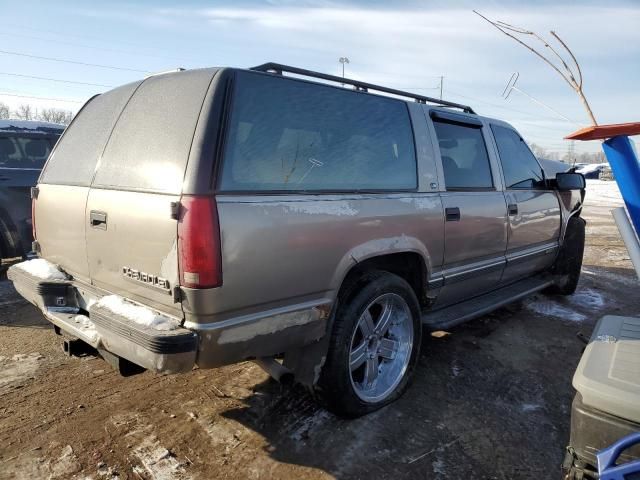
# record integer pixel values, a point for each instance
(150, 145)
(75, 157)
(288, 135)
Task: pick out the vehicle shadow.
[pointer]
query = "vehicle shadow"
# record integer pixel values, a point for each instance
(485, 400)
(15, 311)
(21, 314)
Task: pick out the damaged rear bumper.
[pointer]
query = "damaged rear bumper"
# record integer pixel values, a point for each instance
(171, 351)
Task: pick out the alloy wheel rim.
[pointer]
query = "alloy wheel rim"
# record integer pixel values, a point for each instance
(380, 348)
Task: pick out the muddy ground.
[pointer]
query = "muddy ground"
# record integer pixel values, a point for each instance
(492, 400)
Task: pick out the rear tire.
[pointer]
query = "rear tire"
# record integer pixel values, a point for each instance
(374, 345)
(569, 262)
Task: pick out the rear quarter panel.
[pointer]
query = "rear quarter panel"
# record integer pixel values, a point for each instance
(281, 251)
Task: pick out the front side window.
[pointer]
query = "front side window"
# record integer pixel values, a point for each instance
(291, 135)
(464, 156)
(520, 167)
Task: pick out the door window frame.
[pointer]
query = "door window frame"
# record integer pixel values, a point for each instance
(468, 121)
(545, 180)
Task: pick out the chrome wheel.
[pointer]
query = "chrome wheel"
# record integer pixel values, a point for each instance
(380, 348)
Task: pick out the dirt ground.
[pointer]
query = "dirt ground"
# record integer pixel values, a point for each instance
(492, 400)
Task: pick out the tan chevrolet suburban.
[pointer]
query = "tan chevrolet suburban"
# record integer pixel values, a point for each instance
(315, 224)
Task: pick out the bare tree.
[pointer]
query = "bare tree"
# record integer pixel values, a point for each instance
(55, 115)
(4, 111)
(538, 151)
(569, 70)
(24, 112)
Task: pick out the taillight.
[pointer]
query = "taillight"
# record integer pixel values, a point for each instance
(199, 249)
(33, 218)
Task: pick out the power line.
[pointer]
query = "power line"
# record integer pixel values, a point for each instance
(55, 80)
(40, 98)
(61, 42)
(52, 59)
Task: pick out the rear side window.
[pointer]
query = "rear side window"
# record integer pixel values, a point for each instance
(74, 160)
(150, 144)
(24, 152)
(291, 135)
(464, 156)
(520, 167)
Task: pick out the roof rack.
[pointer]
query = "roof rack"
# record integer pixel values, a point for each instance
(358, 85)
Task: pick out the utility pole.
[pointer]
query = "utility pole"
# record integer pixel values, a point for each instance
(571, 152)
(441, 84)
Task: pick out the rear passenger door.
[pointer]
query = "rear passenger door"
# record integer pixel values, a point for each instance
(475, 210)
(63, 187)
(533, 208)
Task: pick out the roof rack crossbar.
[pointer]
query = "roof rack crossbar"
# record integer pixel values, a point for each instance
(363, 86)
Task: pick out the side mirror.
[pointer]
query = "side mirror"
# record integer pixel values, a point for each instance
(570, 181)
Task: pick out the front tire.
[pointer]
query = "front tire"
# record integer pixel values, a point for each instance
(569, 262)
(374, 346)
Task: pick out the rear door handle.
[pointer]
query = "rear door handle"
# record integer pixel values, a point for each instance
(98, 219)
(512, 209)
(452, 214)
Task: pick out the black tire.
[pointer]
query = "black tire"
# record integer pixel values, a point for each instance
(335, 387)
(569, 262)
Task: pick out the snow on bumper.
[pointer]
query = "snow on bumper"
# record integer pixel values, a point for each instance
(146, 338)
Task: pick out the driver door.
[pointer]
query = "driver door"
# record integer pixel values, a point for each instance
(533, 208)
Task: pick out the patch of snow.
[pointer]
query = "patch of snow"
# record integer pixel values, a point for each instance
(602, 274)
(603, 193)
(159, 462)
(18, 368)
(591, 168)
(15, 125)
(587, 298)
(65, 465)
(550, 308)
(87, 326)
(137, 314)
(41, 268)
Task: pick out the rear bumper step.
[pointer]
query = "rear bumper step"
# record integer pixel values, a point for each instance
(172, 351)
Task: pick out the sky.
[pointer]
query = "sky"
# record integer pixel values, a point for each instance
(407, 45)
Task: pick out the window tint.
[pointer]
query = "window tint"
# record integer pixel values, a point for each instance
(464, 156)
(24, 152)
(520, 167)
(74, 160)
(291, 135)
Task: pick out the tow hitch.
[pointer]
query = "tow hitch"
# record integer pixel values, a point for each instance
(77, 348)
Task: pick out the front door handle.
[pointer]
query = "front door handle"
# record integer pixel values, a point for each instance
(512, 209)
(98, 219)
(452, 214)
